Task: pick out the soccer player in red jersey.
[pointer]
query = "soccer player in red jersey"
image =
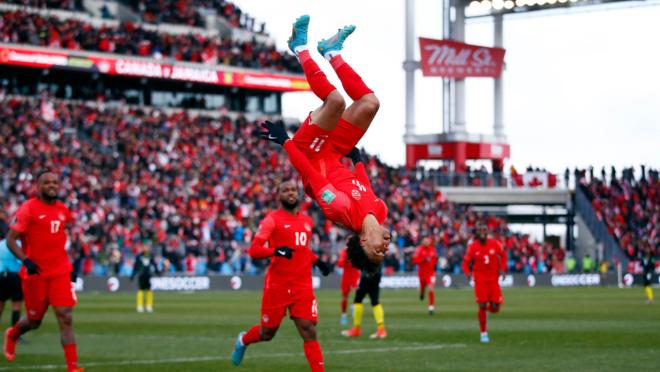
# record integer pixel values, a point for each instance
(426, 257)
(46, 274)
(350, 277)
(485, 259)
(288, 282)
(329, 133)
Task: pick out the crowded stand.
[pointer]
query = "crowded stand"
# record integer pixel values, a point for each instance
(629, 205)
(194, 189)
(189, 12)
(73, 5)
(128, 38)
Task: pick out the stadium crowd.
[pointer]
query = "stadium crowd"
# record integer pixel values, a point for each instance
(130, 39)
(194, 189)
(189, 12)
(629, 205)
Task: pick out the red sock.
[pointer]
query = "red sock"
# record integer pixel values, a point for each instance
(314, 355)
(350, 80)
(482, 319)
(71, 356)
(315, 76)
(344, 304)
(431, 298)
(251, 336)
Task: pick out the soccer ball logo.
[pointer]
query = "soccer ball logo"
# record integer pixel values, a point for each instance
(628, 280)
(531, 280)
(113, 284)
(446, 281)
(235, 282)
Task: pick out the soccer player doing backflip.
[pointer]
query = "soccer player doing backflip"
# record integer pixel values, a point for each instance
(284, 236)
(486, 261)
(329, 133)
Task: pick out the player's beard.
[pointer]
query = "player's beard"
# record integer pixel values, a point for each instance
(289, 206)
(47, 198)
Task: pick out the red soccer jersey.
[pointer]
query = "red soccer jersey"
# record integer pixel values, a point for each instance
(350, 273)
(345, 197)
(426, 257)
(487, 260)
(43, 235)
(357, 187)
(281, 228)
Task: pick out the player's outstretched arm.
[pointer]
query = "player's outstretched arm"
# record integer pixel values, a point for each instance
(274, 132)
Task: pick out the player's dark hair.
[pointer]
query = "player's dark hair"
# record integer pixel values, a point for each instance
(40, 172)
(355, 254)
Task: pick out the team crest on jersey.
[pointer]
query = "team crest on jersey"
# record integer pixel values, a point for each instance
(328, 196)
(492, 251)
(356, 194)
(308, 227)
(61, 217)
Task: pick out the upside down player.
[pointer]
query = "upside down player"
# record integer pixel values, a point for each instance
(47, 272)
(329, 133)
(426, 257)
(288, 282)
(350, 277)
(487, 261)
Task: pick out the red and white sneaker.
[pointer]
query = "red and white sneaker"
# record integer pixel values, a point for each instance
(381, 333)
(9, 347)
(353, 332)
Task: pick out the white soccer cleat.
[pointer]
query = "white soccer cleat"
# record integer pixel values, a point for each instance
(484, 338)
(140, 309)
(150, 309)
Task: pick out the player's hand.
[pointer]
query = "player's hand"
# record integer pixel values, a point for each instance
(31, 267)
(323, 267)
(355, 155)
(283, 251)
(274, 132)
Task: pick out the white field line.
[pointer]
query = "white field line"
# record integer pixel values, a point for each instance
(221, 358)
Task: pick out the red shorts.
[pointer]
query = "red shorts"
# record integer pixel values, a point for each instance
(39, 293)
(300, 302)
(426, 280)
(487, 292)
(314, 141)
(349, 282)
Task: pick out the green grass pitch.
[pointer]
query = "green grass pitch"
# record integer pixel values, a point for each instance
(559, 329)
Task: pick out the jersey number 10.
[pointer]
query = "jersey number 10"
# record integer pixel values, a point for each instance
(301, 239)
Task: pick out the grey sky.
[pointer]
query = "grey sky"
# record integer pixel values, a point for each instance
(580, 87)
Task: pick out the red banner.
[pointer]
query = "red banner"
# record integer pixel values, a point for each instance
(112, 65)
(453, 59)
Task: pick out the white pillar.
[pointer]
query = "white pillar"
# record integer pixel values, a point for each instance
(409, 66)
(498, 114)
(459, 84)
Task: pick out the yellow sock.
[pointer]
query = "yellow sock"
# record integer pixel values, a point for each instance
(150, 298)
(140, 298)
(379, 315)
(649, 292)
(358, 309)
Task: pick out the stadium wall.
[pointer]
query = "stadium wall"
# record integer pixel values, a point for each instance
(253, 282)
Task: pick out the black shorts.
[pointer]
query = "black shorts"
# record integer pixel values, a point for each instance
(647, 278)
(369, 285)
(144, 283)
(10, 287)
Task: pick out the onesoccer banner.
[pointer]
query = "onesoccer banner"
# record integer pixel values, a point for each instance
(447, 58)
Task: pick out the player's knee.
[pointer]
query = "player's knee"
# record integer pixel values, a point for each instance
(267, 334)
(335, 102)
(308, 332)
(494, 308)
(370, 104)
(34, 323)
(64, 318)
(483, 305)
